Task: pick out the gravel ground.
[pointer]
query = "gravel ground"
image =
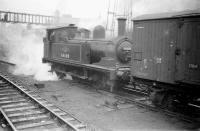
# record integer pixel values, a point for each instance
(98, 110)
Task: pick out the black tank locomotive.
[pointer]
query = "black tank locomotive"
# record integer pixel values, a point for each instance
(100, 61)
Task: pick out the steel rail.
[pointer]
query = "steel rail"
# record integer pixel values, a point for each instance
(8, 120)
(59, 118)
(158, 109)
(120, 94)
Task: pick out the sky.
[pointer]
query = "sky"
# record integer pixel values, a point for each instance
(95, 8)
(78, 8)
(94, 12)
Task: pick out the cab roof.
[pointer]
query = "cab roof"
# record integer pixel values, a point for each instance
(169, 15)
(62, 27)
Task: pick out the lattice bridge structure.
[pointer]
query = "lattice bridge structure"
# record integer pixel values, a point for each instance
(14, 17)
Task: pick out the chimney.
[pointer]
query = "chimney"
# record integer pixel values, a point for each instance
(121, 26)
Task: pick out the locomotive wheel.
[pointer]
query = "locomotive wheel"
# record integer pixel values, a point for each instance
(100, 82)
(111, 85)
(60, 75)
(75, 78)
(114, 85)
(106, 84)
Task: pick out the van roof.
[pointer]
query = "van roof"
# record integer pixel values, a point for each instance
(169, 15)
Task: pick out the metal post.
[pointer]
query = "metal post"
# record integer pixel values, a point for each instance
(29, 19)
(37, 19)
(8, 19)
(22, 19)
(45, 20)
(40, 19)
(25, 18)
(11, 17)
(17, 17)
(32, 19)
(14, 17)
(0, 15)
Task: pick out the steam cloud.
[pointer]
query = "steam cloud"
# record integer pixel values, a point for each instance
(25, 49)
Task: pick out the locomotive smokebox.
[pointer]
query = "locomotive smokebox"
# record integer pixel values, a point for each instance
(121, 26)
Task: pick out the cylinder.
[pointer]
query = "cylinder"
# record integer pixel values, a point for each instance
(121, 26)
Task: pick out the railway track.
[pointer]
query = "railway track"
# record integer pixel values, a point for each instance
(144, 102)
(22, 109)
(7, 63)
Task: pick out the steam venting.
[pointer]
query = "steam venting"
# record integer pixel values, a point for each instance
(24, 47)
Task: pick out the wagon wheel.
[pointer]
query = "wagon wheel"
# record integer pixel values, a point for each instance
(157, 97)
(168, 101)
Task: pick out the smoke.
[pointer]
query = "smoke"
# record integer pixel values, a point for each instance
(24, 47)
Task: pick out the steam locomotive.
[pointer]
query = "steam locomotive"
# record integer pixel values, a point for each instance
(103, 62)
(164, 56)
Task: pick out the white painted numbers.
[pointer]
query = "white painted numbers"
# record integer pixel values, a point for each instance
(65, 52)
(65, 55)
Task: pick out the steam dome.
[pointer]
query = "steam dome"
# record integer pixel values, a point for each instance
(99, 32)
